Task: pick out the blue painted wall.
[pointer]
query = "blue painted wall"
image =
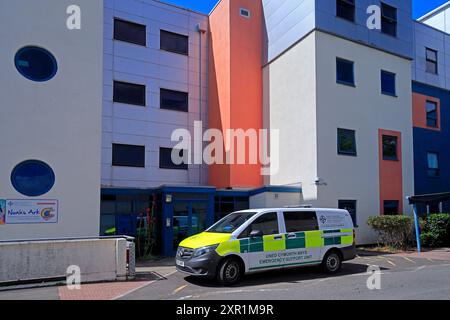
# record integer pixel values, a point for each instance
(433, 141)
(288, 21)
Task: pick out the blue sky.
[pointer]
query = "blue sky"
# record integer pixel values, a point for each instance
(420, 7)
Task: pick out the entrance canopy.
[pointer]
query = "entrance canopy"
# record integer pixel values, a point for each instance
(425, 199)
(429, 198)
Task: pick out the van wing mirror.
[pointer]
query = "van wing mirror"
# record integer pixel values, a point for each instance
(256, 234)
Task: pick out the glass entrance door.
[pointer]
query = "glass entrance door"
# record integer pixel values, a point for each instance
(189, 218)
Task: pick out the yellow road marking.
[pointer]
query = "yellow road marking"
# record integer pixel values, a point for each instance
(179, 289)
(429, 259)
(408, 259)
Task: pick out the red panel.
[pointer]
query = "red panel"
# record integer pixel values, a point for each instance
(420, 111)
(236, 83)
(391, 172)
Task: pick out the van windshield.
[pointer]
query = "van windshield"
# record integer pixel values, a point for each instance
(231, 222)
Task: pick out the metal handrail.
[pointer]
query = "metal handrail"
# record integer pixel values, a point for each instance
(70, 238)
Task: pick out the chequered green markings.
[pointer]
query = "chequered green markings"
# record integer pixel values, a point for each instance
(309, 239)
(296, 243)
(251, 245)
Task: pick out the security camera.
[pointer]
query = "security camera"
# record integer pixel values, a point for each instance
(319, 182)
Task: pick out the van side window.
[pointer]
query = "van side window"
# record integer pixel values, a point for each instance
(267, 223)
(300, 221)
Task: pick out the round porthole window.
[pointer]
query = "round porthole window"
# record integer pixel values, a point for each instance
(36, 64)
(32, 178)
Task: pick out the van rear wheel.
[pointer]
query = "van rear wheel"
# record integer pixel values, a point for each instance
(229, 272)
(332, 262)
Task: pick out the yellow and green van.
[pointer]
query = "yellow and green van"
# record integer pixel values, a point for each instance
(265, 239)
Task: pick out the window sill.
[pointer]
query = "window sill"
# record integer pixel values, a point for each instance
(176, 110)
(131, 104)
(175, 52)
(344, 83)
(393, 95)
(391, 159)
(127, 166)
(348, 154)
(173, 168)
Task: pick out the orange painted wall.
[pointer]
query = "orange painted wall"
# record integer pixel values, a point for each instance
(391, 172)
(219, 97)
(420, 113)
(235, 96)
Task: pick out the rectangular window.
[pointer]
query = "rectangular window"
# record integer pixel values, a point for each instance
(388, 83)
(128, 156)
(267, 224)
(345, 72)
(388, 20)
(166, 162)
(300, 221)
(174, 42)
(129, 93)
(130, 32)
(346, 142)
(433, 164)
(345, 9)
(390, 151)
(350, 206)
(244, 13)
(432, 61)
(391, 207)
(432, 114)
(174, 100)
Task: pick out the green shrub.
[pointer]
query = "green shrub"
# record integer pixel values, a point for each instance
(393, 231)
(436, 232)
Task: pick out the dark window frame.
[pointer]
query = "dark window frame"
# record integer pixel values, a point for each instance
(353, 152)
(429, 61)
(346, 5)
(171, 166)
(165, 107)
(245, 13)
(143, 98)
(314, 221)
(387, 20)
(117, 163)
(432, 122)
(383, 87)
(343, 204)
(170, 33)
(387, 157)
(391, 204)
(246, 232)
(433, 172)
(34, 184)
(35, 55)
(118, 37)
(347, 62)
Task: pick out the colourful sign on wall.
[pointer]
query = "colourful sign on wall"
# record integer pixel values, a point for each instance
(2, 211)
(31, 211)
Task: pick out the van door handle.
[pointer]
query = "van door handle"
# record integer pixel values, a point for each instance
(278, 238)
(292, 236)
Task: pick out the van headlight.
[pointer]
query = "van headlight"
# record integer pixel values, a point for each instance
(204, 250)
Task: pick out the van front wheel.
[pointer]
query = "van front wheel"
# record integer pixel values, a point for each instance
(332, 262)
(230, 271)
